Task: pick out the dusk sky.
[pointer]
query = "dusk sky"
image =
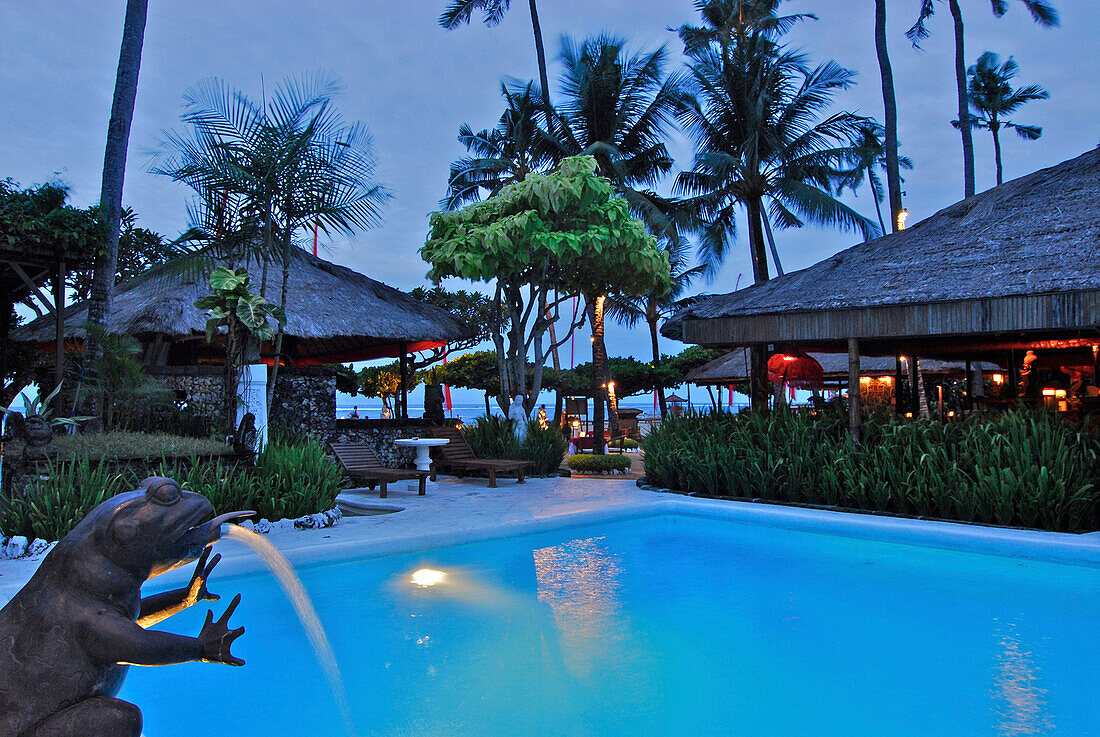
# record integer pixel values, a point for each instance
(413, 84)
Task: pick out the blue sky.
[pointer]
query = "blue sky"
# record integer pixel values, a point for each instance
(413, 84)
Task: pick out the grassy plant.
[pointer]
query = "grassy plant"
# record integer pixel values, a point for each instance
(1018, 468)
(493, 437)
(591, 463)
(289, 480)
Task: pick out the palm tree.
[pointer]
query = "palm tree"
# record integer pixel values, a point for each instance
(501, 155)
(628, 311)
(764, 139)
(263, 172)
(114, 162)
(890, 118)
(992, 98)
(1042, 12)
(871, 158)
(618, 106)
(459, 12)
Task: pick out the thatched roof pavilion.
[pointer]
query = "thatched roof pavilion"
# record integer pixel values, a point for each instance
(334, 315)
(1015, 267)
(733, 368)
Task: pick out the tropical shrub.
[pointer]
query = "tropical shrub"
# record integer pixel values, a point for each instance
(593, 463)
(624, 444)
(1018, 468)
(288, 480)
(492, 436)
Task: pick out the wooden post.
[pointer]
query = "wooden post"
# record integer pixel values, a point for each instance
(969, 385)
(855, 427)
(899, 398)
(59, 336)
(1013, 375)
(914, 386)
(403, 369)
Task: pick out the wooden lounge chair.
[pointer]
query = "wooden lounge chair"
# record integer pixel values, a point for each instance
(361, 463)
(458, 456)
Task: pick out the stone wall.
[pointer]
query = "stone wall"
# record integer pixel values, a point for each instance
(380, 434)
(305, 401)
(198, 389)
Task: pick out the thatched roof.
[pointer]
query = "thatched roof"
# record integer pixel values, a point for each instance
(733, 367)
(1036, 235)
(333, 313)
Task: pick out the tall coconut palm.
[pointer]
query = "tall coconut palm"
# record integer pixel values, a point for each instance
(459, 12)
(1042, 12)
(501, 155)
(992, 98)
(618, 106)
(114, 161)
(764, 138)
(871, 157)
(890, 118)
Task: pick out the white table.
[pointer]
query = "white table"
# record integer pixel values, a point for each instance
(423, 461)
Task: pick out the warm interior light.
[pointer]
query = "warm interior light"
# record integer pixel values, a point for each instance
(908, 414)
(903, 215)
(998, 378)
(865, 380)
(951, 413)
(1060, 393)
(576, 423)
(427, 577)
(1048, 392)
(790, 358)
(886, 379)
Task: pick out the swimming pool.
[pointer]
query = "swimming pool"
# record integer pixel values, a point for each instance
(664, 625)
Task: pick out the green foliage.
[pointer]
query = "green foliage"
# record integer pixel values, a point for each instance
(493, 436)
(470, 308)
(630, 375)
(566, 227)
(138, 250)
(39, 220)
(1019, 468)
(591, 463)
(116, 378)
(127, 444)
(232, 303)
(375, 381)
(476, 370)
(289, 480)
(624, 444)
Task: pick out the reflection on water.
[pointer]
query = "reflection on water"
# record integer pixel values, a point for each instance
(299, 599)
(580, 582)
(1021, 702)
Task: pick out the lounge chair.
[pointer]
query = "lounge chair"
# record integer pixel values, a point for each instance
(361, 463)
(458, 456)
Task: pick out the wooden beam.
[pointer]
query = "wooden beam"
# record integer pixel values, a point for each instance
(31, 286)
(855, 419)
(403, 369)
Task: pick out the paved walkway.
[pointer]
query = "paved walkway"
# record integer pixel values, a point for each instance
(459, 510)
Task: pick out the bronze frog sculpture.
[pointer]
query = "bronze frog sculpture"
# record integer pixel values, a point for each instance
(69, 636)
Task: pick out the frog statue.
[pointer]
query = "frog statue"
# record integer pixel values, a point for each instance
(69, 635)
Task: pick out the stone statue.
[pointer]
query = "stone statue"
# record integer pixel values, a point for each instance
(244, 440)
(68, 637)
(39, 439)
(518, 415)
(433, 403)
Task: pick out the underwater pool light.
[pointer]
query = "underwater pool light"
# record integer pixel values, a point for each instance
(427, 577)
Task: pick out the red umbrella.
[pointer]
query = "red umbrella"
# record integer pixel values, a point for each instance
(796, 369)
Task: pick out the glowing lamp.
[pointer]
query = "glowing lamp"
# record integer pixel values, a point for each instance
(865, 380)
(1048, 392)
(903, 215)
(998, 378)
(428, 577)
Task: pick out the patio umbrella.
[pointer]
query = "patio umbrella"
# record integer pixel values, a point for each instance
(796, 369)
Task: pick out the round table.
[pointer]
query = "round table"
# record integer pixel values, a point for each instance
(423, 461)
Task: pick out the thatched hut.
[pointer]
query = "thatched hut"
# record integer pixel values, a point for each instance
(1010, 270)
(334, 315)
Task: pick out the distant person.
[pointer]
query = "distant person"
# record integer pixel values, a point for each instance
(543, 420)
(354, 413)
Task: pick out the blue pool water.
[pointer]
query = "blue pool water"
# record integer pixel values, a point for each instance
(669, 625)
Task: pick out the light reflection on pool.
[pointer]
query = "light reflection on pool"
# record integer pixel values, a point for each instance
(663, 626)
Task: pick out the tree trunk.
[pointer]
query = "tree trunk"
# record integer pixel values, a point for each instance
(488, 409)
(964, 101)
(279, 330)
(656, 361)
(890, 105)
(756, 242)
(771, 241)
(540, 52)
(878, 205)
(855, 416)
(994, 128)
(599, 371)
(758, 378)
(114, 164)
(233, 339)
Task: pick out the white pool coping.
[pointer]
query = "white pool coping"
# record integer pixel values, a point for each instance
(466, 511)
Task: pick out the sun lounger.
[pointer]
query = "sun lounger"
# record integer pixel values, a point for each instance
(458, 456)
(361, 463)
